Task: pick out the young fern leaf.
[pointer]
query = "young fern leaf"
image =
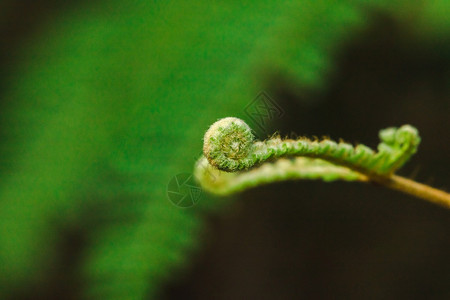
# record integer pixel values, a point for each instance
(229, 145)
(225, 183)
(233, 161)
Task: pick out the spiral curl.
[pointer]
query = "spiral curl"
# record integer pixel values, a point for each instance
(229, 146)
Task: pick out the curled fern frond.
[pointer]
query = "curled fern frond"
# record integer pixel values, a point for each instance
(229, 145)
(233, 161)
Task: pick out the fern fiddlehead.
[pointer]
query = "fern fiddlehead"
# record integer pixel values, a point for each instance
(233, 161)
(229, 145)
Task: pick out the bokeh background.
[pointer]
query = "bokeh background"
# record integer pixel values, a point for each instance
(103, 102)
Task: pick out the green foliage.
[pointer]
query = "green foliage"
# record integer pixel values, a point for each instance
(103, 109)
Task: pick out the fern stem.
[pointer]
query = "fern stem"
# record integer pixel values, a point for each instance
(415, 188)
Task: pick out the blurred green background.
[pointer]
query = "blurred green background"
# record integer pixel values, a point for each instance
(102, 103)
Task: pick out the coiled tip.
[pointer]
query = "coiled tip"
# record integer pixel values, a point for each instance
(406, 136)
(227, 144)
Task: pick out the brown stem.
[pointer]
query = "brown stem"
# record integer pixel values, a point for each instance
(416, 189)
